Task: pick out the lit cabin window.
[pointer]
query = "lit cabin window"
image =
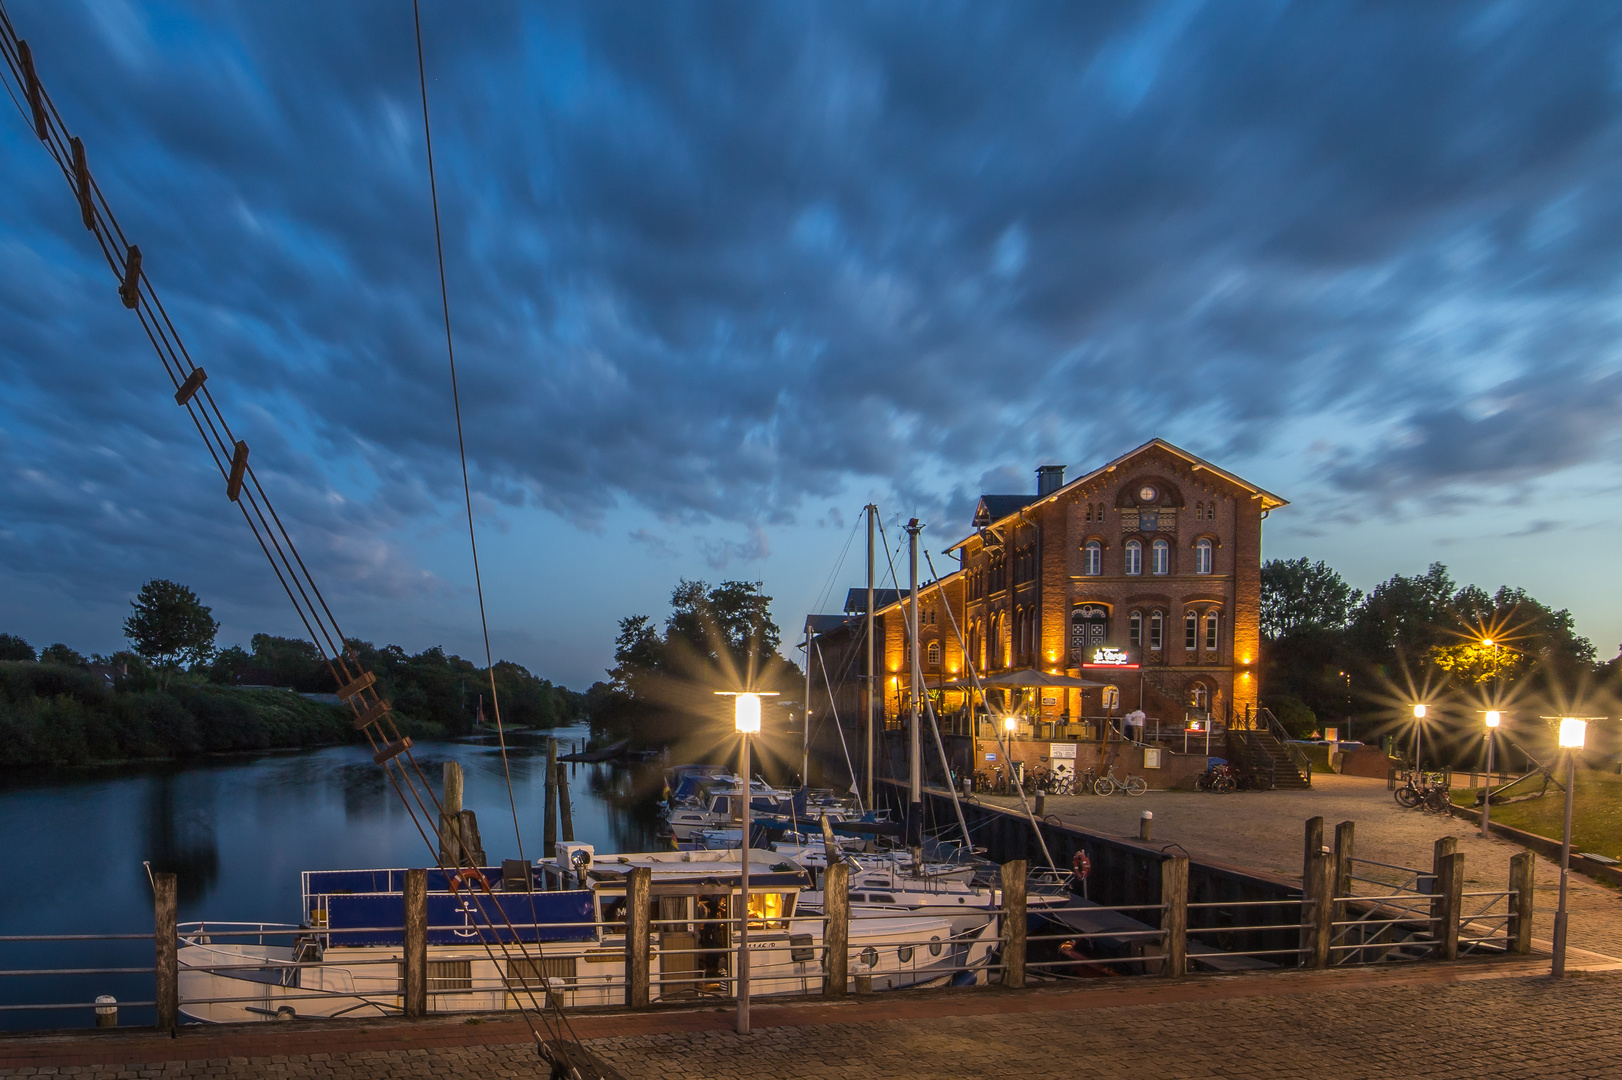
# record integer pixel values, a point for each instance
(1160, 553)
(1135, 628)
(1157, 628)
(1191, 631)
(766, 911)
(1211, 630)
(1134, 557)
(1202, 556)
(1092, 558)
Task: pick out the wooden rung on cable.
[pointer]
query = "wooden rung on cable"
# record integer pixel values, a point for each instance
(193, 383)
(239, 466)
(393, 750)
(371, 714)
(31, 86)
(349, 690)
(130, 290)
(81, 183)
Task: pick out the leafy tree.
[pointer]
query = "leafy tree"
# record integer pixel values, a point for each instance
(1406, 614)
(13, 647)
(1297, 595)
(61, 654)
(170, 627)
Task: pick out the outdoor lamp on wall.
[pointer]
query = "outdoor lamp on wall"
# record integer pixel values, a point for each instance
(1572, 734)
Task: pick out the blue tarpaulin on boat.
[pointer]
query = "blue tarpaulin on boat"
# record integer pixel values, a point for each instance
(458, 918)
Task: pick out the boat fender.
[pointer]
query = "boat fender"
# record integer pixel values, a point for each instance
(469, 876)
(1081, 865)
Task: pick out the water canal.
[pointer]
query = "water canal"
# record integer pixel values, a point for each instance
(237, 831)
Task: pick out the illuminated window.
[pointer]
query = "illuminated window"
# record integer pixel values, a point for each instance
(1156, 631)
(1211, 630)
(1202, 556)
(1134, 557)
(1191, 631)
(1135, 628)
(767, 911)
(934, 653)
(1160, 556)
(1092, 558)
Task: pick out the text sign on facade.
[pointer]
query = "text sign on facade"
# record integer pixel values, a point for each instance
(1062, 750)
(1050, 701)
(1110, 656)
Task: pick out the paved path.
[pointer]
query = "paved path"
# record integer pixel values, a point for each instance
(1456, 1020)
(1264, 831)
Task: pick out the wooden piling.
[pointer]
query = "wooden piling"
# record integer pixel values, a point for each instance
(106, 1010)
(1317, 911)
(450, 816)
(1013, 924)
(1312, 847)
(565, 811)
(1522, 878)
(1174, 920)
(1345, 837)
(549, 845)
(836, 933)
(638, 933)
(165, 911)
(414, 963)
(1450, 899)
(1041, 805)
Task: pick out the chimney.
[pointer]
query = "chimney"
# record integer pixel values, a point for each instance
(1049, 478)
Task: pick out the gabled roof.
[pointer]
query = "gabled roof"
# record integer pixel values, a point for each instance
(822, 624)
(856, 600)
(924, 589)
(1268, 500)
(994, 508)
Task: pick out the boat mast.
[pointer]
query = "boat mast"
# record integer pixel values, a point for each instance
(872, 685)
(915, 809)
(805, 740)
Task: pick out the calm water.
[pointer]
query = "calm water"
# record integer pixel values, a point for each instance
(238, 831)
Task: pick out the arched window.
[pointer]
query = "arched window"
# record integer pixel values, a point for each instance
(1157, 626)
(1160, 557)
(1135, 628)
(934, 654)
(1199, 697)
(1211, 638)
(1199, 511)
(1134, 557)
(1202, 556)
(1191, 631)
(1092, 558)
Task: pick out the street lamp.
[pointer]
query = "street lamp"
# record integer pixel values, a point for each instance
(1419, 723)
(746, 721)
(1572, 732)
(1493, 719)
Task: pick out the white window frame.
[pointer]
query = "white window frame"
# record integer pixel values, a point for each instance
(1092, 558)
(1160, 557)
(1202, 556)
(1134, 624)
(1157, 631)
(1134, 557)
(1213, 627)
(933, 654)
(1191, 631)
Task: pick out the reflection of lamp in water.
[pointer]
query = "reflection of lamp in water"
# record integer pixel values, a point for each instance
(746, 721)
(1572, 734)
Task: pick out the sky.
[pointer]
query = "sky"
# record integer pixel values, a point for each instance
(721, 273)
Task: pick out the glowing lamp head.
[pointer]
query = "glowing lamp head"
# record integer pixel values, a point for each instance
(1493, 718)
(1572, 732)
(1010, 724)
(1419, 711)
(746, 713)
(1487, 641)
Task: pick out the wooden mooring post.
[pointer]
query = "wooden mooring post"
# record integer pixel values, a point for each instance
(450, 815)
(414, 961)
(1317, 897)
(1013, 924)
(1345, 837)
(1440, 876)
(1522, 878)
(165, 912)
(638, 934)
(836, 933)
(549, 830)
(565, 811)
(1450, 901)
(1174, 920)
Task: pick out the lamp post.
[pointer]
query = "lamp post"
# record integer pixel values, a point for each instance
(1493, 718)
(746, 721)
(1348, 677)
(1572, 732)
(1419, 723)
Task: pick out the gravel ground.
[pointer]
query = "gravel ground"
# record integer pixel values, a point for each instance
(1265, 831)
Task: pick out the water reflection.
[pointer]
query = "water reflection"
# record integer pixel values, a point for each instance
(180, 834)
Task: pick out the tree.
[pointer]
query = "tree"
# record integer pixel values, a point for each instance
(61, 654)
(1297, 595)
(13, 647)
(170, 627)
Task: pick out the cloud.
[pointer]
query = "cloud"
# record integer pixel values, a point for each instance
(656, 545)
(719, 554)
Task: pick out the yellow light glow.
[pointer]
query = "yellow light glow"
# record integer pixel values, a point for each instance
(1572, 732)
(1245, 661)
(1419, 711)
(1493, 718)
(746, 713)
(1487, 641)
(1010, 723)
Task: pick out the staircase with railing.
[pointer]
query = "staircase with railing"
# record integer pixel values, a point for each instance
(1266, 751)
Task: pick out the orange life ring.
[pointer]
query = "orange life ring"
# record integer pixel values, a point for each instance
(469, 876)
(1081, 865)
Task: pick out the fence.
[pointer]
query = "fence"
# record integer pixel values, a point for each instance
(1411, 914)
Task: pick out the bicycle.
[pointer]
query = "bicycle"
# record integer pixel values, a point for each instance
(1108, 785)
(1416, 787)
(1218, 778)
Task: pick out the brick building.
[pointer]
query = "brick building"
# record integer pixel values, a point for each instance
(1143, 575)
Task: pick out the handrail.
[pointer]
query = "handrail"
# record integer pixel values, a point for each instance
(1276, 729)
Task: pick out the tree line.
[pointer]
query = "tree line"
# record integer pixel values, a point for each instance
(174, 693)
(1330, 651)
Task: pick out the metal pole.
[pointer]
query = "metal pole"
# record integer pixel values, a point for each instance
(805, 745)
(1559, 969)
(743, 913)
(915, 809)
(1486, 796)
(872, 675)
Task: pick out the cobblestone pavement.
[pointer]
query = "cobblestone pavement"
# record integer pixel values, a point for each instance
(1264, 831)
(1436, 1021)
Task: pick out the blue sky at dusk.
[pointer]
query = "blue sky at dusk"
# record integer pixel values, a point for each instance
(721, 273)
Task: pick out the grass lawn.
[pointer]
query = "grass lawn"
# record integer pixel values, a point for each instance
(1596, 820)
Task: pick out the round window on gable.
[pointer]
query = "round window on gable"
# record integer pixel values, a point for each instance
(1147, 493)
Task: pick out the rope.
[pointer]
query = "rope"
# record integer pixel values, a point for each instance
(834, 708)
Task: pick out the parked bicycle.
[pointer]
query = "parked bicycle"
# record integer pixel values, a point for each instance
(1218, 777)
(1109, 783)
(1419, 789)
